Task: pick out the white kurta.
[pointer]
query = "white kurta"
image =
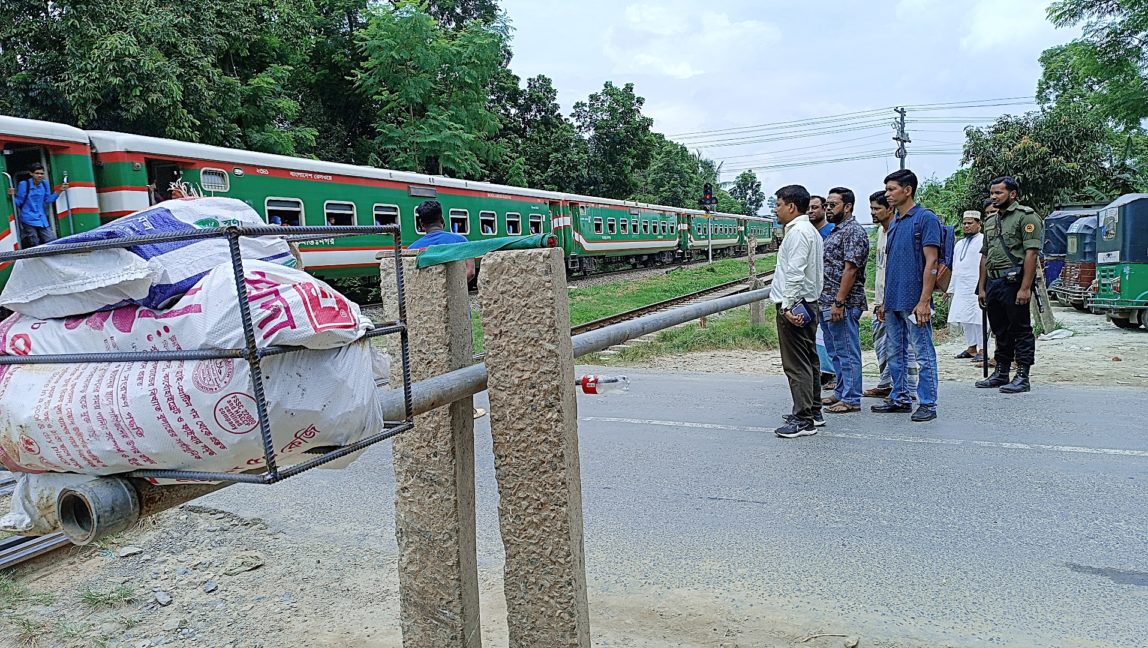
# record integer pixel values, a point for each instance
(963, 285)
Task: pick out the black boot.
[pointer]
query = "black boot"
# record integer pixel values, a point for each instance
(1019, 385)
(999, 376)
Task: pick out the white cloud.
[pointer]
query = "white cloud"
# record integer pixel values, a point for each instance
(681, 41)
(1001, 23)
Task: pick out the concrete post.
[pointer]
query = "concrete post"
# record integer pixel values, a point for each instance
(434, 467)
(757, 308)
(534, 422)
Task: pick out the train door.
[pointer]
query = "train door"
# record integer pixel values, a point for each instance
(161, 175)
(18, 159)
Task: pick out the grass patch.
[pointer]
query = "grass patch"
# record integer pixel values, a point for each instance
(13, 593)
(118, 595)
(732, 330)
(28, 631)
(595, 302)
(70, 629)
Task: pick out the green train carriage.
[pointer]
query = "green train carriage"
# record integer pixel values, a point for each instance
(1122, 262)
(65, 153)
(115, 174)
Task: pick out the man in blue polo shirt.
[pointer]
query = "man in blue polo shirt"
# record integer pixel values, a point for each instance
(914, 238)
(428, 218)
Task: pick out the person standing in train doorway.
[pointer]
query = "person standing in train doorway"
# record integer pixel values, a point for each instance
(796, 286)
(1008, 268)
(33, 198)
(914, 239)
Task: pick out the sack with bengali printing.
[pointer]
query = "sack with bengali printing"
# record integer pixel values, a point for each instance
(151, 275)
(109, 418)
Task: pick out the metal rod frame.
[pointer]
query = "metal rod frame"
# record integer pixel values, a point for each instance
(400, 419)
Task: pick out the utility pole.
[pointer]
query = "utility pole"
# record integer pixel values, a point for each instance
(901, 138)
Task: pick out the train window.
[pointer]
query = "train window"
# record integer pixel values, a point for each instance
(625, 225)
(513, 224)
(536, 223)
(634, 225)
(582, 209)
(386, 214)
(488, 223)
(665, 228)
(611, 226)
(215, 180)
(645, 227)
(289, 211)
(460, 221)
(598, 225)
(339, 213)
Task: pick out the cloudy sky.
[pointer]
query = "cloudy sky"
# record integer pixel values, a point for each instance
(744, 68)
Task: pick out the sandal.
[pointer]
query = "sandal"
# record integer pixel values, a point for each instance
(829, 400)
(842, 408)
(963, 354)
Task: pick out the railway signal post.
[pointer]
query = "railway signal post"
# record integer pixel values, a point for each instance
(707, 202)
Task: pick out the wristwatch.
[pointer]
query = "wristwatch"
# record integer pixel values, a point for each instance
(838, 303)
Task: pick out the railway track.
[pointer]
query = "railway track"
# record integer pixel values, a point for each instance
(721, 290)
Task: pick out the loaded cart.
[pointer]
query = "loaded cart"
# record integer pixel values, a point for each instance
(213, 361)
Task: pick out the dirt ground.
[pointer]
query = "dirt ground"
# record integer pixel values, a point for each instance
(201, 577)
(1097, 354)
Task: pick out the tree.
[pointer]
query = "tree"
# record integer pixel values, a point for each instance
(213, 71)
(1057, 155)
(1105, 68)
(621, 145)
(540, 141)
(429, 88)
(747, 190)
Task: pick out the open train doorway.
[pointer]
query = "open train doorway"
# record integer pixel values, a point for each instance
(161, 175)
(18, 161)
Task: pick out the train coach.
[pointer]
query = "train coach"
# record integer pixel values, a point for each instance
(113, 174)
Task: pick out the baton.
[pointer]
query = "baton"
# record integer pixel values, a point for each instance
(984, 339)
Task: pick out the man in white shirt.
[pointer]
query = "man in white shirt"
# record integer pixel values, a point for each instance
(797, 284)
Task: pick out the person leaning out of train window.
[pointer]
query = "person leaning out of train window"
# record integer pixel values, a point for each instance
(33, 198)
(428, 217)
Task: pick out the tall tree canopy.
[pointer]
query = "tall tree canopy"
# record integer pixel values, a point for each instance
(747, 190)
(620, 139)
(429, 91)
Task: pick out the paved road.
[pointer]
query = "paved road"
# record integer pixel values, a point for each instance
(1026, 526)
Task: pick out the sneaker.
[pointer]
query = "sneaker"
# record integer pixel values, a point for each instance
(924, 414)
(889, 407)
(796, 428)
(818, 419)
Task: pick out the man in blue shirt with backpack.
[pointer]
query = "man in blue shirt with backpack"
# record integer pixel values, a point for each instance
(33, 197)
(914, 240)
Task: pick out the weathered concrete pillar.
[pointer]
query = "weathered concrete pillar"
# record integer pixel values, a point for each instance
(534, 421)
(757, 308)
(434, 466)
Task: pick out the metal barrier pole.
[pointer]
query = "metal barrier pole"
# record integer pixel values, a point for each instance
(434, 468)
(534, 423)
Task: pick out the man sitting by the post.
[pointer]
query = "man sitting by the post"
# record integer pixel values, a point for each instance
(428, 218)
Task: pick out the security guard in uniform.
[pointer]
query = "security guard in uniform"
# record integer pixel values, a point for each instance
(1008, 269)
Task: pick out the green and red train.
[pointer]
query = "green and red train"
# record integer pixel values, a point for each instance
(115, 174)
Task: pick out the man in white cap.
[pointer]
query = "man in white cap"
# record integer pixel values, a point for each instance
(964, 309)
